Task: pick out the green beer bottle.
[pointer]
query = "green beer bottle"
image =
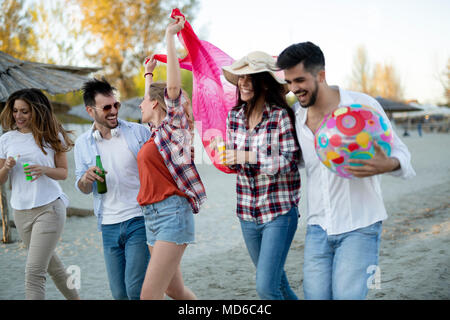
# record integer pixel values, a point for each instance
(101, 186)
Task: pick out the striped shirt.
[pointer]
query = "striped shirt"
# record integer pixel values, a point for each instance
(271, 186)
(173, 140)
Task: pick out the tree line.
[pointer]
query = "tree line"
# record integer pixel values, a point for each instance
(383, 79)
(115, 35)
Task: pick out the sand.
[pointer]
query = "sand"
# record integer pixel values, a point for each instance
(414, 255)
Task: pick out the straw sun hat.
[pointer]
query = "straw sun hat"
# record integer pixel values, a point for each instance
(254, 62)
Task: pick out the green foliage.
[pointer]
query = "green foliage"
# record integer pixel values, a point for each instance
(73, 98)
(132, 120)
(186, 81)
(69, 118)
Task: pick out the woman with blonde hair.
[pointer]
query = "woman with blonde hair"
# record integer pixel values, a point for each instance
(171, 188)
(33, 155)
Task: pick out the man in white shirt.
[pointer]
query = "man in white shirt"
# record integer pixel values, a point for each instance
(120, 217)
(344, 216)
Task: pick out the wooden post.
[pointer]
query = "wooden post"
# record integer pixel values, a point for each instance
(5, 221)
(6, 235)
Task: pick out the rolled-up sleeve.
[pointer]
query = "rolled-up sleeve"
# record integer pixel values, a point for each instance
(399, 150)
(175, 111)
(402, 154)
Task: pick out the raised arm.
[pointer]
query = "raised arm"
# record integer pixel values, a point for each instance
(149, 67)
(173, 66)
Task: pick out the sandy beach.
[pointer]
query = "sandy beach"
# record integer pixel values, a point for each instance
(414, 254)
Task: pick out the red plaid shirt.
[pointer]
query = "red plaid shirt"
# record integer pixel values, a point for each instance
(270, 187)
(173, 140)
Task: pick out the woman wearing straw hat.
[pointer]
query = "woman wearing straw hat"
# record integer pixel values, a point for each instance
(262, 147)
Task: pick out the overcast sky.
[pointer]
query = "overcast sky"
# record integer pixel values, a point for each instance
(412, 35)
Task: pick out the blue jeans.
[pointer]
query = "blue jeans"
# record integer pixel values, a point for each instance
(339, 266)
(126, 257)
(268, 245)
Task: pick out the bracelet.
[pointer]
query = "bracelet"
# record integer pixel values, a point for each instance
(148, 73)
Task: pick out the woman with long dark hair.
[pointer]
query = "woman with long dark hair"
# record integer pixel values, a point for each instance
(262, 147)
(33, 155)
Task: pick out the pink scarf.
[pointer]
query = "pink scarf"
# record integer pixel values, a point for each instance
(212, 95)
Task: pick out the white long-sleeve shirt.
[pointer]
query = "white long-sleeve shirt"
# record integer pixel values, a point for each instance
(337, 204)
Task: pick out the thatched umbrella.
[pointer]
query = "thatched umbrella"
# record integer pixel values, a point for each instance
(18, 74)
(395, 106)
(391, 106)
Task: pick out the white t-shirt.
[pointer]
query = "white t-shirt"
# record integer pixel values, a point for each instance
(25, 194)
(122, 180)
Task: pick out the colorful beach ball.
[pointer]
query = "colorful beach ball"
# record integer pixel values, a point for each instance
(349, 133)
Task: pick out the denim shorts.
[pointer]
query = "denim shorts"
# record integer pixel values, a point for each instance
(169, 220)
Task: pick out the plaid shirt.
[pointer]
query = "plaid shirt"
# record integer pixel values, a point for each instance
(270, 187)
(173, 140)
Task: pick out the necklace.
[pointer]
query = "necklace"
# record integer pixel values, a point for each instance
(255, 118)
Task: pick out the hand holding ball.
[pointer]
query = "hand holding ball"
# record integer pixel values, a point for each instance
(349, 133)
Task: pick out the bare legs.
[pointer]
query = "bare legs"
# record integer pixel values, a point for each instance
(164, 273)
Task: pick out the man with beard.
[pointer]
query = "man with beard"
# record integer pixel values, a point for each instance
(120, 218)
(344, 216)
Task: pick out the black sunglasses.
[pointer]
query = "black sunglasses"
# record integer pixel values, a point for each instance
(109, 106)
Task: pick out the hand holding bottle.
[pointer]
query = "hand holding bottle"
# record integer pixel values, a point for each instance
(101, 185)
(218, 145)
(90, 176)
(35, 171)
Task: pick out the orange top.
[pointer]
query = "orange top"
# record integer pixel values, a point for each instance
(157, 183)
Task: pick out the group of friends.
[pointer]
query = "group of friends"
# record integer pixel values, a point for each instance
(146, 217)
